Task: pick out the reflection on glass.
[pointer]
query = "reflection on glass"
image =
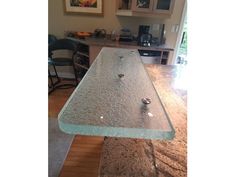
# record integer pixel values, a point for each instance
(143, 3)
(163, 4)
(150, 114)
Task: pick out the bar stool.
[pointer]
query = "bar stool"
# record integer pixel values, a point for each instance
(56, 58)
(52, 39)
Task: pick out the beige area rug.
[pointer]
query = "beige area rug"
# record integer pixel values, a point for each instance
(169, 156)
(58, 146)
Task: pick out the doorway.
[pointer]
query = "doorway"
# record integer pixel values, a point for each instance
(180, 56)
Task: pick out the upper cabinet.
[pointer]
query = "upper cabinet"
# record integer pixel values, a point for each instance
(142, 5)
(145, 7)
(163, 6)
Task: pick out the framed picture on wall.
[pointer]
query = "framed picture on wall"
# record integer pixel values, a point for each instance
(84, 6)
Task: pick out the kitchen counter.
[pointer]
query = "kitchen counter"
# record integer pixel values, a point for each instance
(109, 43)
(116, 98)
(169, 156)
(95, 45)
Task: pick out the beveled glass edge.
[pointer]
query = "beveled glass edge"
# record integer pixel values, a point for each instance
(78, 86)
(116, 131)
(164, 109)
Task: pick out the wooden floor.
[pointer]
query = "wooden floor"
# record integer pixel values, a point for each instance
(83, 158)
(56, 101)
(84, 155)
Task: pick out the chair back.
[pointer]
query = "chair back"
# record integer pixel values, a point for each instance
(51, 39)
(62, 44)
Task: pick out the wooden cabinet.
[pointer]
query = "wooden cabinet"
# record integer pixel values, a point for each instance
(93, 53)
(154, 56)
(144, 7)
(164, 57)
(163, 6)
(149, 56)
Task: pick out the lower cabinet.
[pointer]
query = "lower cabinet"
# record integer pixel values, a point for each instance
(154, 56)
(147, 56)
(164, 58)
(81, 61)
(93, 53)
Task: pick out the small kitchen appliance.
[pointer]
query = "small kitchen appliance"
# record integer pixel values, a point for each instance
(144, 37)
(99, 33)
(125, 35)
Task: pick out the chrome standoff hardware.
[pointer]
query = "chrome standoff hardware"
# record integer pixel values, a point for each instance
(121, 75)
(146, 100)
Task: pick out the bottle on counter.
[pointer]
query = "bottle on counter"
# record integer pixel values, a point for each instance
(113, 35)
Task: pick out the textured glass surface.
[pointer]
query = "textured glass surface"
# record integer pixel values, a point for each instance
(108, 100)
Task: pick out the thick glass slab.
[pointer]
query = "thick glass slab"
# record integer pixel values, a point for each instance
(109, 100)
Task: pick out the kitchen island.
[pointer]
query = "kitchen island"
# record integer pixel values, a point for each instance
(116, 98)
(168, 157)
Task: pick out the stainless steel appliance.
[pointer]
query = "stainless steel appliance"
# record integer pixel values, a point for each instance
(144, 38)
(125, 35)
(150, 56)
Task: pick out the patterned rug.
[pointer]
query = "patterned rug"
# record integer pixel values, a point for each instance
(171, 156)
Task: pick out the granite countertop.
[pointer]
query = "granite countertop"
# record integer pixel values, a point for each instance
(109, 43)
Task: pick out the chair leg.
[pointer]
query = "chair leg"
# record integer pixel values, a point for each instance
(58, 79)
(76, 75)
(56, 85)
(51, 81)
(53, 85)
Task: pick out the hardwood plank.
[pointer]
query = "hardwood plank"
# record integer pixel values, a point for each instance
(89, 139)
(75, 174)
(56, 101)
(85, 150)
(83, 157)
(81, 164)
(80, 170)
(76, 159)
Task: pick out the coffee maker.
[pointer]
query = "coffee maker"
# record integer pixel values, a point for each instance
(144, 38)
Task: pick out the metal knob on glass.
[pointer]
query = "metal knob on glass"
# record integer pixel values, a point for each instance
(121, 75)
(146, 101)
(121, 57)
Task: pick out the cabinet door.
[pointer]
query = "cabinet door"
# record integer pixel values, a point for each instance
(163, 6)
(124, 4)
(142, 5)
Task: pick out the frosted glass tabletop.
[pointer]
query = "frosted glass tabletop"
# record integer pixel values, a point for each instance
(112, 100)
